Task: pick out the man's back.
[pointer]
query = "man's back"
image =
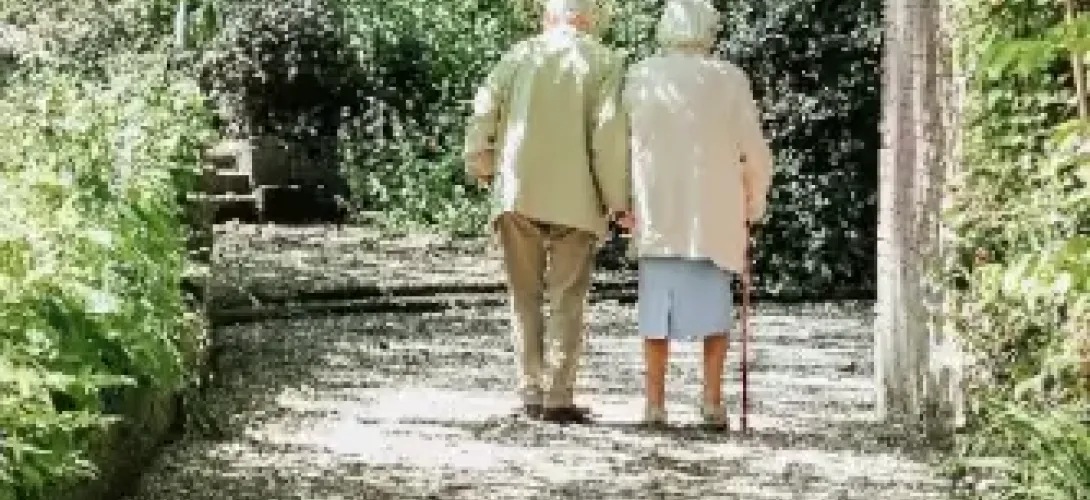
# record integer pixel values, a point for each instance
(555, 84)
(554, 96)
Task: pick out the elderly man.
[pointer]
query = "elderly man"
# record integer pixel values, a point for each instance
(547, 137)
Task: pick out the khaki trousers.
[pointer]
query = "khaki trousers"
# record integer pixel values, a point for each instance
(546, 260)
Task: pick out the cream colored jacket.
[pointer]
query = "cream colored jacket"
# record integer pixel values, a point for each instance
(548, 133)
(693, 120)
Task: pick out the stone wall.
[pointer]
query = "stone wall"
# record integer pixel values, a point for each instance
(150, 418)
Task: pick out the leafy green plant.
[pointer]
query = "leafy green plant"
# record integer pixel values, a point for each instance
(1049, 452)
(91, 252)
(1019, 274)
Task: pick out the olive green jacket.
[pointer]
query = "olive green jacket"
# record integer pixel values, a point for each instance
(548, 135)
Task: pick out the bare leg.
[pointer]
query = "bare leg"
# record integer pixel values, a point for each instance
(715, 352)
(655, 354)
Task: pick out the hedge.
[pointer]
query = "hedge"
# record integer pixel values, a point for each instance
(1018, 275)
(96, 148)
(816, 67)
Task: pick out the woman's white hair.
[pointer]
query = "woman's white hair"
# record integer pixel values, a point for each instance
(688, 22)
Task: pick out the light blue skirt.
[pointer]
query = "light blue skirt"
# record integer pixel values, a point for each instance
(684, 299)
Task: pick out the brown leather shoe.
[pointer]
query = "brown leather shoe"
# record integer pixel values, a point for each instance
(567, 415)
(532, 410)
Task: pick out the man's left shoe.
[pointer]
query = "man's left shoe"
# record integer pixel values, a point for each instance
(567, 415)
(715, 417)
(532, 410)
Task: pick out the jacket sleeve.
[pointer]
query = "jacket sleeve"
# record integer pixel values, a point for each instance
(609, 140)
(756, 155)
(485, 120)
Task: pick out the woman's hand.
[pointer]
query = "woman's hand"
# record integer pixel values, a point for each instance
(482, 167)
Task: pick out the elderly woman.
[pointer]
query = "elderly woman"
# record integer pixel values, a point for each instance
(701, 170)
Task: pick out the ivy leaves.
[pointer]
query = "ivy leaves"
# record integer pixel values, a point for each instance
(1022, 207)
(1025, 56)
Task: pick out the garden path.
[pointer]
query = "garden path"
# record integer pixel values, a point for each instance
(417, 404)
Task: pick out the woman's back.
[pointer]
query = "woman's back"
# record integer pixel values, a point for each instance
(693, 120)
(674, 100)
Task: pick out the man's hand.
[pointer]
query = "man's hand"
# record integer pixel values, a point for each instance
(627, 220)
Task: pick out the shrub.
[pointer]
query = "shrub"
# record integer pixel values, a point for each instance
(815, 68)
(80, 34)
(1019, 270)
(91, 252)
(403, 153)
(285, 69)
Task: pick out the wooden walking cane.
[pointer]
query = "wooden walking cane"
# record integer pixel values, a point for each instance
(745, 330)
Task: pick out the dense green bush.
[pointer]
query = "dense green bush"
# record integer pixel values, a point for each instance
(815, 66)
(404, 151)
(94, 154)
(1019, 268)
(284, 69)
(79, 34)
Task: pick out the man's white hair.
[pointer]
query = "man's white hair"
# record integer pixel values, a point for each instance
(564, 9)
(688, 22)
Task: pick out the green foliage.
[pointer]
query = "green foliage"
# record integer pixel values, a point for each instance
(1028, 55)
(81, 33)
(94, 156)
(815, 67)
(1019, 270)
(285, 69)
(1048, 452)
(403, 152)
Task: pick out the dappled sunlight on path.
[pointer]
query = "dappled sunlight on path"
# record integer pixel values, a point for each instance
(404, 405)
(427, 410)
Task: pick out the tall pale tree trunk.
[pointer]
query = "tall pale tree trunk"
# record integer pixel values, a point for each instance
(917, 366)
(1078, 68)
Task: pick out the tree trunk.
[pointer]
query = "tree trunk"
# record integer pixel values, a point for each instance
(1078, 69)
(917, 367)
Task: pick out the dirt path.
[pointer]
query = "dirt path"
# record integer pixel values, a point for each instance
(418, 406)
